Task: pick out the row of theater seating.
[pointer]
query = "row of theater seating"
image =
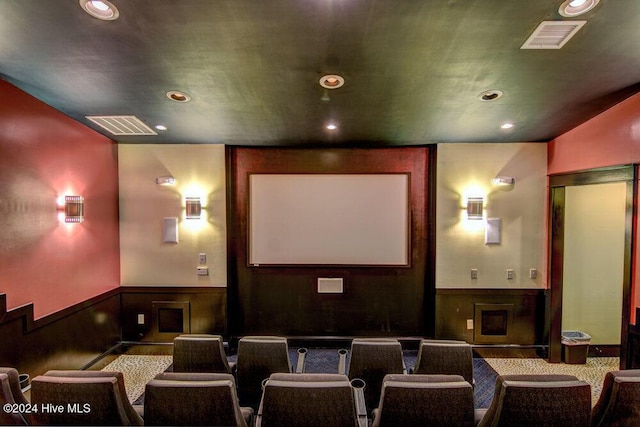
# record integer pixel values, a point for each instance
(370, 359)
(324, 400)
(438, 392)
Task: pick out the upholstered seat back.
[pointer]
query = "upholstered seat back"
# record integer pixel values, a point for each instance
(371, 360)
(416, 400)
(309, 400)
(132, 415)
(93, 400)
(259, 357)
(14, 383)
(490, 413)
(538, 403)
(6, 397)
(194, 399)
(619, 402)
(199, 353)
(445, 357)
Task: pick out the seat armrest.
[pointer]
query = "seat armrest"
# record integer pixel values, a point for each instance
(139, 410)
(342, 363)
(302, 354)
(478, 415)
(358, 386)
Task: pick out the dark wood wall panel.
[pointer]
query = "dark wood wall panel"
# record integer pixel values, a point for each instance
(207, 310)
(455, 306)
(68, 339)
(75, 337)
(377, 301)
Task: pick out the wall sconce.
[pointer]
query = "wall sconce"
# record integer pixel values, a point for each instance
(194, 208)
(474, 208)
(73, 209)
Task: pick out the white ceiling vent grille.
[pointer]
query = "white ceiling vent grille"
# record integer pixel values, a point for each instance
(552, 34)
(122, 125)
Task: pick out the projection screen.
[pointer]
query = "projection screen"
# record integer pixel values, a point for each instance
(329, 219)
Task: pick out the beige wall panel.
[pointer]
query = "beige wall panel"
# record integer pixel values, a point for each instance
(145, 259)
(465, 170)
(594, 260)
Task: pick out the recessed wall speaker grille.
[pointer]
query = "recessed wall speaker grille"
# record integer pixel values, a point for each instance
(552, 34)
(122, 125)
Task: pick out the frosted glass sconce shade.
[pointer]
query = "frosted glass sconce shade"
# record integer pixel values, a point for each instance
(73, 209)
(194, 208)
(474, 208)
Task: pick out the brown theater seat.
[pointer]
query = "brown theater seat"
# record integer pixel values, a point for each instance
(194, 399)
(93, 400)
(619, 402)
(539, 400)
(310, 400)
(419, 400)
(200, 353)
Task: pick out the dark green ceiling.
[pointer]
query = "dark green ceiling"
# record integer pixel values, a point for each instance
(413, 69)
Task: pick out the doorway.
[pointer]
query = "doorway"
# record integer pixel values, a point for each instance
(590, 257)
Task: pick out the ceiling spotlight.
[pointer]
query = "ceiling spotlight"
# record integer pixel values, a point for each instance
(166, 180)
(571, 8)
(332, 126)
(160, 127)
(101, 9)
(507, 126)
(178, 96)
(331, 81)
(490, 95)
(503, 181)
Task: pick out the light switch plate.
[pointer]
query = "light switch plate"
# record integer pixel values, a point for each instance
(510, 274)
(469, 323)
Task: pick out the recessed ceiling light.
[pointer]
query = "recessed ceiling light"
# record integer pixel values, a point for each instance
(332, 126)
(490, 95)
(331, 81)
(101, 9)
(571, 8)
(160, 127)
(507, 126)
(178, 96)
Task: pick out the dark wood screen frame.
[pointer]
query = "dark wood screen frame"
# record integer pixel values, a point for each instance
(283, 300)
(557, 185)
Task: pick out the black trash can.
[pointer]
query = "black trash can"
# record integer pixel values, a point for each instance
(575, 347)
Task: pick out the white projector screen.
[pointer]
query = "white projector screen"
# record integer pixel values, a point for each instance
(329, 219)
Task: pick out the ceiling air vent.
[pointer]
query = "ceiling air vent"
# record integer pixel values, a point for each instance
(552, 34)
(122, 125)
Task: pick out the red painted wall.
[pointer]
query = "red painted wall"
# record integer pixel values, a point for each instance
(609, 139)
(44, 155)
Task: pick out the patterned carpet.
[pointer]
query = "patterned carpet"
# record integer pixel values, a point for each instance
(138, 371)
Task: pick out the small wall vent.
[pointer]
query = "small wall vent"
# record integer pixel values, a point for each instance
(122, 125)
(552, 34)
